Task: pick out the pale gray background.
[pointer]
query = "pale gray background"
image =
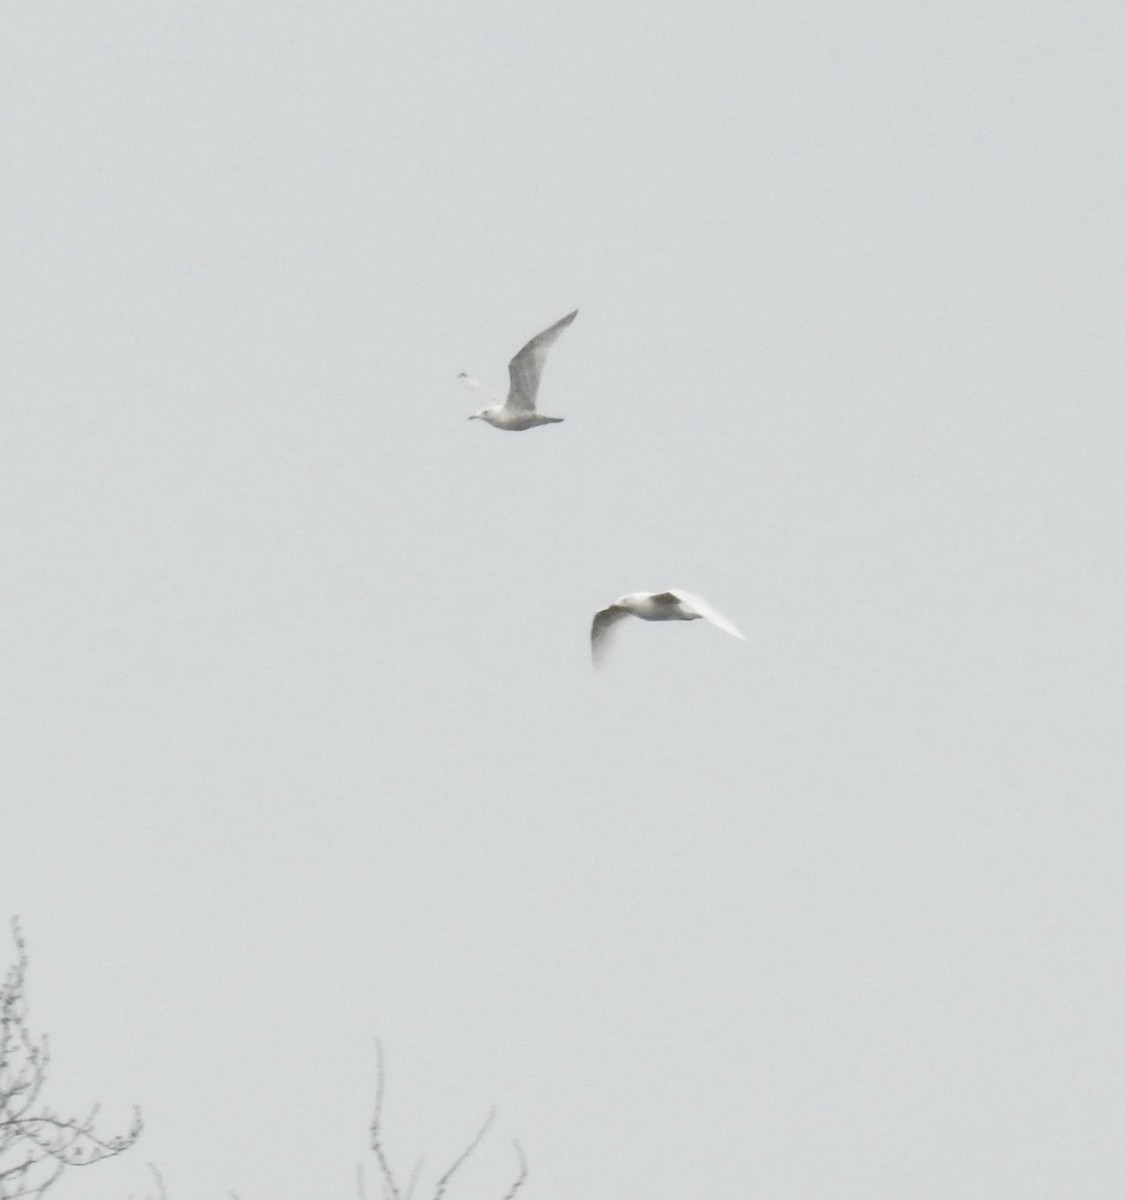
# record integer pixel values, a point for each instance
(301, 743)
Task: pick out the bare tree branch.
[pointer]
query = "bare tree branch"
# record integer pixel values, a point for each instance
(36, 1144)
(390, 1186)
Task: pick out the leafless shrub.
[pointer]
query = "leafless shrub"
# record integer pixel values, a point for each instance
(37, 1144)
(391, 1189)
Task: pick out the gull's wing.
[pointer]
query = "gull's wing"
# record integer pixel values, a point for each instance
(524, 370)
(604, 621)
(476, 386)
(699, 605)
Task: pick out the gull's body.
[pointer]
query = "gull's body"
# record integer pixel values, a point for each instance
(672, 605)
(517, 411)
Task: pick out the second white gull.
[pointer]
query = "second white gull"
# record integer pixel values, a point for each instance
(672, 605)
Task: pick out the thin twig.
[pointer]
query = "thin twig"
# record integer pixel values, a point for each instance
(413, 1179)
(161, 1190)
(521, 1178)
(377, 1129)
(439, 1191)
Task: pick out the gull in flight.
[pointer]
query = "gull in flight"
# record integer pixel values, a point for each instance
(673, 605)
(518, 410)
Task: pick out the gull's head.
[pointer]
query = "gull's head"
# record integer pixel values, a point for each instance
(481, 415)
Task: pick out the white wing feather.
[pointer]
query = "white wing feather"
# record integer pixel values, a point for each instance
(475, 385)
(699, 605)
(604, 621)
(526, 367)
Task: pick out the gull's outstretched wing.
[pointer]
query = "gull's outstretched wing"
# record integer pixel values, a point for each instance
(699, 605)
(476, 386)
(524, 370)
(604, 621)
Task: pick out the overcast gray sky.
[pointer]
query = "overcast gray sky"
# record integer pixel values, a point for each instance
(301, 744)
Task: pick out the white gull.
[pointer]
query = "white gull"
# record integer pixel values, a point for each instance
(518, 410)
(672, 605)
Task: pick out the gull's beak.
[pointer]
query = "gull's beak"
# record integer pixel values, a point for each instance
(473, 417)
